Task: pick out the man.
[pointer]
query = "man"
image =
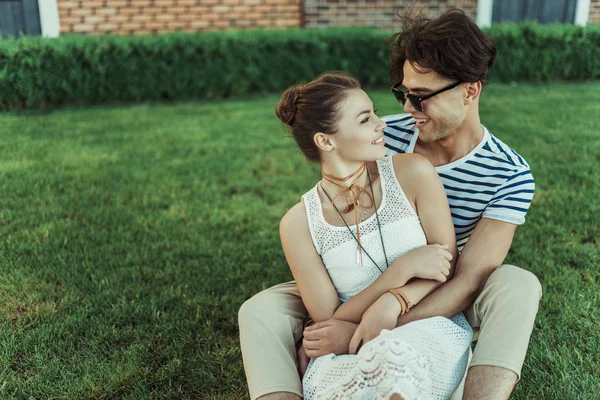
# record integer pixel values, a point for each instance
(440, 67)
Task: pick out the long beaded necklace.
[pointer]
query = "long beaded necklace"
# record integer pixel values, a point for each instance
(360, 247)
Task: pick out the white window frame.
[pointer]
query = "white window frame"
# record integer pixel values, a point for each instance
(582, 12)
(484, 13)
(49, 19)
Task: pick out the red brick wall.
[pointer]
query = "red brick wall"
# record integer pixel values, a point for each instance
(98, 17)
(594, 11)
(375, 13)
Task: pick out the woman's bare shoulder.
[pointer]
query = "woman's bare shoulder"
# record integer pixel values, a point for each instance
(412, 167)
(294, 221)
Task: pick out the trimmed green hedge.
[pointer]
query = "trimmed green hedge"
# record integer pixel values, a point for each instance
(531, 52)
(38, 72)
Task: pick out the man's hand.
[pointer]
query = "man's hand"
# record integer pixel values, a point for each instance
(381, 315)
(331, 336)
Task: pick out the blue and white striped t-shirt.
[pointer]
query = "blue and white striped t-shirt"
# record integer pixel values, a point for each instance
(492, 181)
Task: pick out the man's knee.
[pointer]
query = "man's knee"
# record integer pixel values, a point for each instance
(517, 283)
(510, 288)
(280, 396)
(246, 312)
(276, 309)
(256, 311)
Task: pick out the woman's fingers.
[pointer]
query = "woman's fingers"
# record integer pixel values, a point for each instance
(446, 254)
(442, 249)
(446, 270)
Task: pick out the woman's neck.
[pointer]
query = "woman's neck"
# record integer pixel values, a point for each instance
(345, 174)
(333, 175)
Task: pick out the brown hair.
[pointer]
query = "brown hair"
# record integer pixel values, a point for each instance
(451, 45)
(314, 107)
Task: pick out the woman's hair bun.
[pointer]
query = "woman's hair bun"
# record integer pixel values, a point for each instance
(287, 107)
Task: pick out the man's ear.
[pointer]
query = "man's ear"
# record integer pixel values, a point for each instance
(324, 142)
(473, 91)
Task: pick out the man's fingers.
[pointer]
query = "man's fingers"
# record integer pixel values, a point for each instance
(318, 325)
(314, 334)
(313, 353)
(310, 344)
(311, 335)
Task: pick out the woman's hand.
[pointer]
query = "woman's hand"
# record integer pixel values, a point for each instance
(429, 262)
(381, 315)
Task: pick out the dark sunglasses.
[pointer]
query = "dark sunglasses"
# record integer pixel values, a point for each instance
(416, 101)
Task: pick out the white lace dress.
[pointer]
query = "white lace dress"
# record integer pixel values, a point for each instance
(424, 359)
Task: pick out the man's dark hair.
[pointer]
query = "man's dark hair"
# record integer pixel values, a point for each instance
(451, 45)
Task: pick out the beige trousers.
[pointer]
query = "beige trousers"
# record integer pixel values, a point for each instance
(271, 323)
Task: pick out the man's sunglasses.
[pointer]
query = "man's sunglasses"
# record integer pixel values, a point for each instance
(402, 95)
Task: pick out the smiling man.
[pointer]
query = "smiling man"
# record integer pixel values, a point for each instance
(439, 68)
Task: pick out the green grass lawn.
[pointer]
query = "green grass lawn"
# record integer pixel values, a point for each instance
(131, 235)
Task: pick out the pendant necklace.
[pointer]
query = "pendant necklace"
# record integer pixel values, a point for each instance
(361, 249)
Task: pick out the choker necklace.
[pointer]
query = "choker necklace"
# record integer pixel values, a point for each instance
(353, 193)
(360, 248)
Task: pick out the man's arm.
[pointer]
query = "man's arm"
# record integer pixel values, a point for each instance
(485, 250)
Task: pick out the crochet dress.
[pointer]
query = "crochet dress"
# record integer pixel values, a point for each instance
(424, 359)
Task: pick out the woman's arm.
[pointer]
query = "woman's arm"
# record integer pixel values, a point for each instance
(316, 289)
(425, 192)
(431, 262)
(424, 189)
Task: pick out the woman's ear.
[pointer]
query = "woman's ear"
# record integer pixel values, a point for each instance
(324, 142)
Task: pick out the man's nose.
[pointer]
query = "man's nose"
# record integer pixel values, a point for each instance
(408, 107)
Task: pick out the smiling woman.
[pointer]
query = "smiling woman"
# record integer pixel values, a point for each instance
(370, 222)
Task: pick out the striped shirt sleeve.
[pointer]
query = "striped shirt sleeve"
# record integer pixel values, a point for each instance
(513, 198)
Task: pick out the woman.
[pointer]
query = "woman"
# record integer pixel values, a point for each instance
(367, 243)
